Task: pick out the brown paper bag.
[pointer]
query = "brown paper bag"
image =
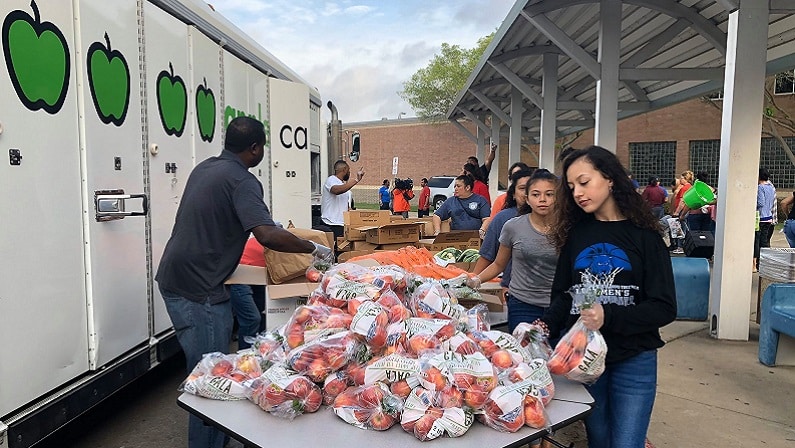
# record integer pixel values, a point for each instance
(283, 266)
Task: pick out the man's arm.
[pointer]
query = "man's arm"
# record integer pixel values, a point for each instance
(490, 156)
(437, 224)
(339, 189)
(281, 240)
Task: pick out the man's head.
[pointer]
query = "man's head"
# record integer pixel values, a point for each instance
(653, 181)
(473, 160)
(245, 137)
(386, 183)
(342, 170)
(423, 182)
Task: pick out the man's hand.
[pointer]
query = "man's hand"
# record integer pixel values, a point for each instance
(473, 282)
(359, 174)
(322, 252)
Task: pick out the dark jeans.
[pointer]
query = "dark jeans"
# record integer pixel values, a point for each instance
(657, 211)
(421, 213)
(247, 312)
(200, 328)
(762, 238)
(385, 207)
(403, 214)
(623, 401)
(519, 312)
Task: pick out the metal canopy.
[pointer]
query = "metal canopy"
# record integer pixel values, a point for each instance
(670, 51)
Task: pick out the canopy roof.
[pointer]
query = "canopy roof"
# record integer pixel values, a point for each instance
(670, 51)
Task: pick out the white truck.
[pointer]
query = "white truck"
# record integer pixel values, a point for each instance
(105, 107)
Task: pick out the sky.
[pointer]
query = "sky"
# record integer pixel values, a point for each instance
(358, 53)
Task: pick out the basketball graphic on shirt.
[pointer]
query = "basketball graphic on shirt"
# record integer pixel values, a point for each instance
(602, 258)
(473, 205)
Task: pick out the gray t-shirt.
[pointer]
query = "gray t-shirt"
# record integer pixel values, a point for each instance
(533, 259)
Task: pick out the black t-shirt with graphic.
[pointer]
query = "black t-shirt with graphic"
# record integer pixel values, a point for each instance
(641, 297)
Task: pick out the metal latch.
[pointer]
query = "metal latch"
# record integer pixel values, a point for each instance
(110, 205)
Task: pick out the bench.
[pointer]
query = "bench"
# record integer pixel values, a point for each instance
(691, 278)
(778, 317)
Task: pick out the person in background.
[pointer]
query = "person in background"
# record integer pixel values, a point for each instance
(635, 183)
(524, 244)
(516, 198)
(222, 204)
(654, 197)
(699, 219)
(465, 210)
(479, 184)
(248, 301)
(384, 196)
(675, 198)
(499, 203)
(424, 207)
(336, 198)
(789, 224)
(485, 169)
(400, 201)
(765, 201)
(604, 232)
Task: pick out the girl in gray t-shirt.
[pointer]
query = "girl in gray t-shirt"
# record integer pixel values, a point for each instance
(523, 241)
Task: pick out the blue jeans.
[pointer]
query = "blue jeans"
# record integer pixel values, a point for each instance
(519, 312)
(623, 400)
(200, 328)
(789, 231)
(246, 311)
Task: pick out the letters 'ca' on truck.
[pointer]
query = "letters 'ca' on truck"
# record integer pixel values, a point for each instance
(106, 108)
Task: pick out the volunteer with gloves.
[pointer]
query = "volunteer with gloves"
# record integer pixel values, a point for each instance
(523, 242)
(221, 205)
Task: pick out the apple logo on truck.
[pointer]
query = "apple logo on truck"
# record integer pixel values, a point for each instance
(205, 111)
(109, 80)
(37, 59)
(172, 101)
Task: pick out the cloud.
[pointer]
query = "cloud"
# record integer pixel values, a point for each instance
(358, 53)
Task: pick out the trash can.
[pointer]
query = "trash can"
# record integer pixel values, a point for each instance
(691, 278)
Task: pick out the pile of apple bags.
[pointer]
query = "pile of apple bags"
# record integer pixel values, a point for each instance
(382, 346)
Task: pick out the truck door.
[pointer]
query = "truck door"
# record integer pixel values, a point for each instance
(168, 117)
(112, 146)
(42, 280)
(290, 161)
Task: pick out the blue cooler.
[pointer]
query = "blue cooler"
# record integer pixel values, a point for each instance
(691, 278)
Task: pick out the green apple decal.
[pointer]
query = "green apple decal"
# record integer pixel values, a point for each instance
(172, 101)
(205, 111)
(37, 59)
(109, 81)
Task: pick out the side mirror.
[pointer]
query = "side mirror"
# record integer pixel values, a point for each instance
(355, 147)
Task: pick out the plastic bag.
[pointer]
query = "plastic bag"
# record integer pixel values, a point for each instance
(537, 373)
(319, 358)
(370, 324)
(475, 319)
(390, 369)
(532, 338)
(369, 407)
(284, 394)
(318, 266)
(269, 346)
(333, 385)
(223, 377)
(580, 354)
(425, 414)
(431, 300)
(310, 322)
(502, 349)
(474, 375)
(510, 407)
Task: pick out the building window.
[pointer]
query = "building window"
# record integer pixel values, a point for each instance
(775, 160)
(705, 157)
(656, 159)
(785, 83)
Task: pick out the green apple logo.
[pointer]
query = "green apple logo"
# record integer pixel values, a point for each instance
(205, 111)
(109, 81)
(37, 58)
(172, 101)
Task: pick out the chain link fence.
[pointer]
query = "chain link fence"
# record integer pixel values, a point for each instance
(366, 196)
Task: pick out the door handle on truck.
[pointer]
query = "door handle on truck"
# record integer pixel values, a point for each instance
(111, 205)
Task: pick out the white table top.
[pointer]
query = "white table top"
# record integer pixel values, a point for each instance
(247, 423)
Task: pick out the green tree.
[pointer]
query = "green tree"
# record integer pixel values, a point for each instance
(431, 90)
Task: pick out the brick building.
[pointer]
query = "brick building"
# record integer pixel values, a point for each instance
(662, 143)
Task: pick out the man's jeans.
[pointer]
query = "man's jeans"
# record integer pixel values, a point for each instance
(519, 312)
(623, 400)
(789, 231)
(201, 328)
(248, 316)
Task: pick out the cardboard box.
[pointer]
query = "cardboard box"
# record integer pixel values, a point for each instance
(354, 234)
(394, 233)
(344, 245)
(493, 303)
(460, 239)
(362, 218)
(280, 300)
(395, 246)
(364, 246)
(354, 253)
